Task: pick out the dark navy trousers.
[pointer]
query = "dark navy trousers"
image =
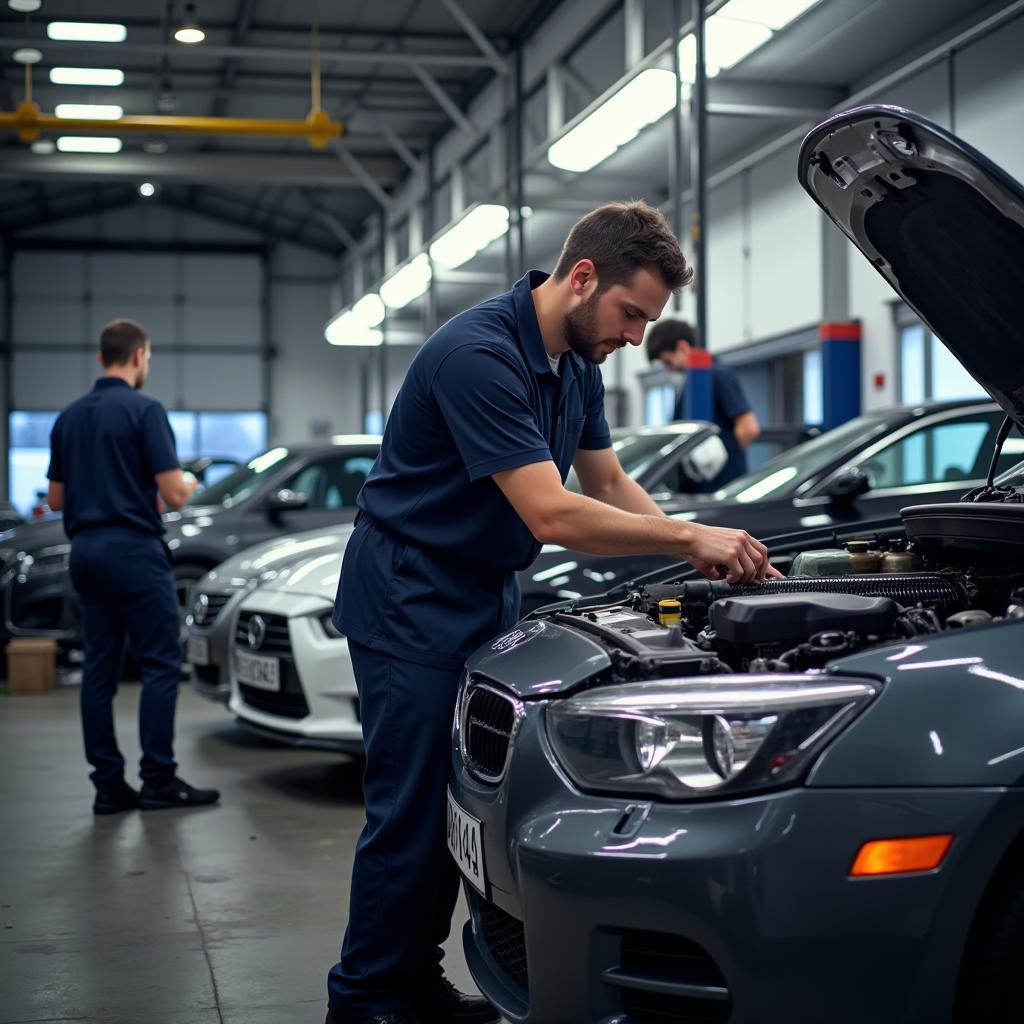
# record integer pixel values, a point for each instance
(126, 591)
(404, 883)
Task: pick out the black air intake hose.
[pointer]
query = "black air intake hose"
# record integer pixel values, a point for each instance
(907, 589)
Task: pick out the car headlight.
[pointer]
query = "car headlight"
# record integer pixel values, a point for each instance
(687, 738)
(329, 627)
(53, 559)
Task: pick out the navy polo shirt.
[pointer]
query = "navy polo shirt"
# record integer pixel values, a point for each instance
(429, 572)
(106, 448)
(729, 403)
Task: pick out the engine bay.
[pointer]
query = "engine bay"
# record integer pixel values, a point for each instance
(864, 593)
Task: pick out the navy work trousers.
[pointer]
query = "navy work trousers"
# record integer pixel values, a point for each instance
(126, 590)
(404, 883)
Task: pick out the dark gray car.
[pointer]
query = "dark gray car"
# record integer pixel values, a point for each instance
(285, 490)
(801, 801)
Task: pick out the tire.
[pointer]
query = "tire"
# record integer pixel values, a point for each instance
(991, 989)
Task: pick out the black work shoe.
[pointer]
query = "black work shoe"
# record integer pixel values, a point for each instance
(394, 1017)
(176, 793)
(114, 797)
(443, 1003)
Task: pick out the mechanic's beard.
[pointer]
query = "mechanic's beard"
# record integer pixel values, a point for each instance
(140, 381)
(580, 329)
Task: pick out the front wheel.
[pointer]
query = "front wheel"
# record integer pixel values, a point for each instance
(991, 987)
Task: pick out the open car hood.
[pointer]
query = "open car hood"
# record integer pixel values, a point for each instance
(940, 222)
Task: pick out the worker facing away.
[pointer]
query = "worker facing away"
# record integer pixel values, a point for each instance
(112, 453)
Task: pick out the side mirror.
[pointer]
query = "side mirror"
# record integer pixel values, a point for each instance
(704, 461)
(848, 485)
(286, 500)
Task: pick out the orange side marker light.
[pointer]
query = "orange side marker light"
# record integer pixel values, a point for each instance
(901, 856)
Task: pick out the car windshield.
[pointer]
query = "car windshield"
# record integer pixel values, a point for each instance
(237, 486)
(638, 448)
(783, 474)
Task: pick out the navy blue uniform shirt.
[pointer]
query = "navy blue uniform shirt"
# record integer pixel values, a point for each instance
(729, 402)
(429, 573)
(106, 448)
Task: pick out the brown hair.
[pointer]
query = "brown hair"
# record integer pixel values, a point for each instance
(620, 238)
(119, 339)
(664, 336)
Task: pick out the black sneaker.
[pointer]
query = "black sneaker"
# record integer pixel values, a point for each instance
(114, 797)
(176, 793)
(443, 1003)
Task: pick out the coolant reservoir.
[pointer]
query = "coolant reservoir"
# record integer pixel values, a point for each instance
(824, 562)
(864, 559)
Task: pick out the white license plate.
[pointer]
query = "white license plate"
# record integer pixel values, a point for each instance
(465, 844)
(254, 670)
(198, 650)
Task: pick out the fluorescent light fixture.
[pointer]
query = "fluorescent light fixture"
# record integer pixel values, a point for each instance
(90, 111)
(87, 31)
(345, 330)
(24, 6)
(27, 55)
(147, 190)
(640, 102)
(474, 231)
(775, 14)
(369, 310)
(729, 40)
(407, 283)
(88, 144)
(86, 76)
(43, 146)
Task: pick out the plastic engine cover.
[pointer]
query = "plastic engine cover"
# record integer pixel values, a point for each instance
(786, 618)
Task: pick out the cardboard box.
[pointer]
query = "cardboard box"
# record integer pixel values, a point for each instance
(31, 664)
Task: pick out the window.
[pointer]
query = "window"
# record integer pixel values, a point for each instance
(928, 370)
(28, 458)
(659, 404)
(814, 399)
(940, 453)
(332, 483)
(233, 436)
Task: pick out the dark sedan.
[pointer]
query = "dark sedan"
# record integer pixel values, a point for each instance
(282, 491)
(867, 468)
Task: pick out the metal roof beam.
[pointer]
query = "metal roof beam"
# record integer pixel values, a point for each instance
(194, 168)
(483, 44)
(362, 175)
(444, 101)
(284, 54)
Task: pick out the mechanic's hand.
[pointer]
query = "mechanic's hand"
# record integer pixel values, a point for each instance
(733, 555)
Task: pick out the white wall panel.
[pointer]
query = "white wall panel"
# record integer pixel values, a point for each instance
(990, 96)
(227, 322)
(785, 250)
(60, 320)
(46, 275)
(222, 382)
(728, 268)
(141, 277)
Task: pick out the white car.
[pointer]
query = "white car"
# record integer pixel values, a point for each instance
(290, 671)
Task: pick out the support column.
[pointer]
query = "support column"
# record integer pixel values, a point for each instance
(698, 396)
(699, 173)
(840, 369)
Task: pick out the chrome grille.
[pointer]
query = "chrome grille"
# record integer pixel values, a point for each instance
(276, 640)
(214, 606)
(489, 721)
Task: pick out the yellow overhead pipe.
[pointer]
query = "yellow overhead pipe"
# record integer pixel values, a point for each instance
(30, 122)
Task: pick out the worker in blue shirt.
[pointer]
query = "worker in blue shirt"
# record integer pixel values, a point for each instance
(495, 408)
(111, 455)
(670, 342)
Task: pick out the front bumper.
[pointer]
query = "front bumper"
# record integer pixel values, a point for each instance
(318, 704)
(737, 911)
(212, 679)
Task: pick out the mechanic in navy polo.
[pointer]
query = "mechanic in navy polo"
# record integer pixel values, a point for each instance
(111, 453)
(495, 408)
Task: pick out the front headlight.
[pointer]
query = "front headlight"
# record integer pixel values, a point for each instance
(688, 738)
(329, 627)
(53, 559)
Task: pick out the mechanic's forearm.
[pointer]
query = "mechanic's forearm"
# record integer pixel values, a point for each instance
(598, 528)
(628, 495)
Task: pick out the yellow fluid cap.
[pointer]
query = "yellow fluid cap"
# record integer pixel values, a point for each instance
(670, 612)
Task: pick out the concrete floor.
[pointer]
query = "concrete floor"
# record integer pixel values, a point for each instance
(224, 915)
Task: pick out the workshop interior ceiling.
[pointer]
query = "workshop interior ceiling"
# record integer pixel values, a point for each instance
(255, 63)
